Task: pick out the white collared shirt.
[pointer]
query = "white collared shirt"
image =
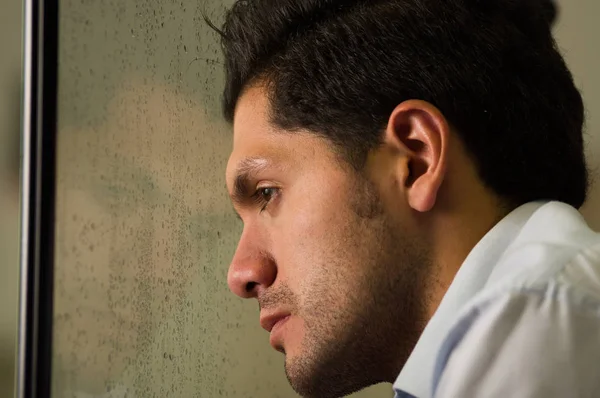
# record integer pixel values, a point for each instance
(521, 317)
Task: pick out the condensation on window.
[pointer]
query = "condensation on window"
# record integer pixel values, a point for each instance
(144, 228)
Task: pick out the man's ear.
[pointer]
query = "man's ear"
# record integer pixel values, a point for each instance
(420, 134)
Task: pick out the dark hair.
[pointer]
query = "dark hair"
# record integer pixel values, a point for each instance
(338, 68)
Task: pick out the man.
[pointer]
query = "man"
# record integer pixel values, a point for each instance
(408, 174)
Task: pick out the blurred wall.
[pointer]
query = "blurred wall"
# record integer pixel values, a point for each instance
(576, 33)
(10, 78)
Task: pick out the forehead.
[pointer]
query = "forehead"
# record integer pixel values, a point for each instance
(255, 138)
(251, 121)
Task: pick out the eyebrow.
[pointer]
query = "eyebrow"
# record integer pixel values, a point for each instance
(246, 168)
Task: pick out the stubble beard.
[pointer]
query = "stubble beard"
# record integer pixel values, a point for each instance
(369, 338)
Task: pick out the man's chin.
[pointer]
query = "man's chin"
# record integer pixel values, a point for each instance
(311, 381)
(299, 375)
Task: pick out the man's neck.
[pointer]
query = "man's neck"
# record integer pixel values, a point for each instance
(455, 236)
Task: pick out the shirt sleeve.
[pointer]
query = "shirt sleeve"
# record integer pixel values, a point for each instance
(528, 344)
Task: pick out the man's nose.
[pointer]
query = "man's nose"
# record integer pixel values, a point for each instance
(251, 269)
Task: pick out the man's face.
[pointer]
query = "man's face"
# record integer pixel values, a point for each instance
(326, 253)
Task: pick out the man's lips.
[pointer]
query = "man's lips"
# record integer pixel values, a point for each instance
(269, 320)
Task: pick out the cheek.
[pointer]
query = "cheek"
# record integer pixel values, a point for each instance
(299, 237)
(314, 246)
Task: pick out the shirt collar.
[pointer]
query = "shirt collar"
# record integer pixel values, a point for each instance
(416, 375)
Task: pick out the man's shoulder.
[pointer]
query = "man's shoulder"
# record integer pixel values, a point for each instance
(535, 341)
(536, 276)
(539, 323)
(555, 244)
(534, 327)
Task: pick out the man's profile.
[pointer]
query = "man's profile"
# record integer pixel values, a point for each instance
(408, 173)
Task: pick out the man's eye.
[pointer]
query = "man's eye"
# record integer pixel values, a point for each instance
(265, 195)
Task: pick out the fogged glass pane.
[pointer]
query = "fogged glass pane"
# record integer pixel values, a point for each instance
(10, 80)
(145, 231)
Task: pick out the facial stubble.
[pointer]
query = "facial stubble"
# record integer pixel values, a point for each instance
(361, 328)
